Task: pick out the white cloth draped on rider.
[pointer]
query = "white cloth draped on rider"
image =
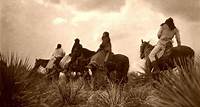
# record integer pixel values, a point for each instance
(58, 53)
(165, 35)
(102, 55)
(103, 52)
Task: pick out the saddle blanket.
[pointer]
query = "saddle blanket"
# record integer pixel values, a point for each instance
(64, 61)
(51, 63)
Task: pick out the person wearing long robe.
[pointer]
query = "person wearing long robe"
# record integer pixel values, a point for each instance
(166, 33)
(103, 52)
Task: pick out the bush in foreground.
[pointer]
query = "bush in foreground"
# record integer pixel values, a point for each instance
(22, 87)
(180, 89)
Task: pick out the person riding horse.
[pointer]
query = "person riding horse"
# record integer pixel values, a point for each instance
(101, 57)
(165, 36)
(58, 54)
(179, 56)
(113, 64)
(76, 50)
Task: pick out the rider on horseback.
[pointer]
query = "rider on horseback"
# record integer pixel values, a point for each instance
(101, 57)
(58, 54)
(76, 50)
(165, 36)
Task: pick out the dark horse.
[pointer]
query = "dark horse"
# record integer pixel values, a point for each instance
(79, 65)
(116, 63)
(40, 62)
(175, 56)
(52, 73)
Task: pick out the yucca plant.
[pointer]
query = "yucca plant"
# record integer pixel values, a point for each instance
(73, 93)
(180, 89)
(139, 96)
(22, 87)
(138, 79)
(113, 96)
(12, 75)
(118, 96)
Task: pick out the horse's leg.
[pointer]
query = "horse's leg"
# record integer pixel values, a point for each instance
(148, 67)
(156, 71)
(156, 76)
(124, 79)
(108, 75)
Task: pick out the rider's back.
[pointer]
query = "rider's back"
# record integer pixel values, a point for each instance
(166, 34)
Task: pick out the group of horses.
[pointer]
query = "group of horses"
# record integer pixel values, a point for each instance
(117, 66)
(115, 69)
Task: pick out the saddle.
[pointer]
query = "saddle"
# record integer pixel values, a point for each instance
(109, 63)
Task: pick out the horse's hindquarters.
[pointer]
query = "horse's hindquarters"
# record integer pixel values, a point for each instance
(121, 68)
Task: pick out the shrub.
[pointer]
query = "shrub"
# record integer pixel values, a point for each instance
(180, 89)
(22, 87)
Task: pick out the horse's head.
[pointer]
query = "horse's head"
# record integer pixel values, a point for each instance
(142, 48)
(37, 63)
(40, 62)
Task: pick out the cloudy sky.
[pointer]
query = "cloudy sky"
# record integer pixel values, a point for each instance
(33, 27)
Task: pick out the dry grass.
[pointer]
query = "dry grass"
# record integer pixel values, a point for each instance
(23, 87)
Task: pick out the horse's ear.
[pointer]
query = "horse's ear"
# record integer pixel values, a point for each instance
(36, 59)
(142, 41)
(148, 42)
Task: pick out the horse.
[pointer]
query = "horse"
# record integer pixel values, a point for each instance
(117, 64)
(79, 65)
(175, 56)
(40, 62)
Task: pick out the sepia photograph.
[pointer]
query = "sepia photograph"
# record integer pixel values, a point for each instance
(99, 53)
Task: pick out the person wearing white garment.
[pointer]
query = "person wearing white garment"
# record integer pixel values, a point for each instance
(165, 35)
(58, 54)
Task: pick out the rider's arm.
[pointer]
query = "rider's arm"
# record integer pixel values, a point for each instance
(159, 32)
(177, 35)
(63, 53)
(108, 50)
(73, 49)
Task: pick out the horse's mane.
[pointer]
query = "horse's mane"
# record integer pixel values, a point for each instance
(149, 48)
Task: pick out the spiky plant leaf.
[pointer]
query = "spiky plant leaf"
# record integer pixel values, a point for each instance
(181, 89)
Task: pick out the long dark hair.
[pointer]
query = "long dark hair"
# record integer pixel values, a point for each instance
(170, 23)
(106, 34)
(58, 46)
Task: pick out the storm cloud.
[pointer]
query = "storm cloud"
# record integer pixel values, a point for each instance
(186, 9)
(34, 27)
(91, 5)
